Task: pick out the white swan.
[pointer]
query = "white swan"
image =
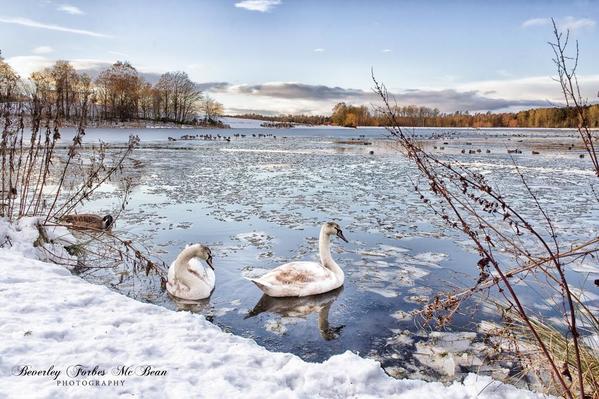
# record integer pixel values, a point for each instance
(306, 278)
(187, 277)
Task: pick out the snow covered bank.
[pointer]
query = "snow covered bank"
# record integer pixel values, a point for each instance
(55, 323)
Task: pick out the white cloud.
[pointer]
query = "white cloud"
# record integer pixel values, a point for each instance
(258, 5)
(536, 87)
(69, 9)
(572, 23)
(319, 50)
(26, 64)
(90, 63)
(34, 24)
(42, 50)
(566, 23)
(386, 50)
(536, 22)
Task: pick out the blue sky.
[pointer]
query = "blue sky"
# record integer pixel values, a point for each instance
(304, 56)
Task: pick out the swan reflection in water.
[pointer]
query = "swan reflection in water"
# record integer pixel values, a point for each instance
(301, 307)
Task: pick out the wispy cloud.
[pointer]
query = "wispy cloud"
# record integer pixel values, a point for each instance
(572, 23)
(258, 5)
(566, 23)
(319, 50)
(69, 9)
(386, 50)
(26, 64)
(35, 24)
(42, 50)
(536, 22)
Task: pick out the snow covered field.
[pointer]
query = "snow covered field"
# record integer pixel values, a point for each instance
(60, 325)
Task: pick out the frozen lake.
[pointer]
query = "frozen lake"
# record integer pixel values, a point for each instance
(259, 202)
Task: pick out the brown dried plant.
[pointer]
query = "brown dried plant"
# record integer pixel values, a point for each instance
(464, 200)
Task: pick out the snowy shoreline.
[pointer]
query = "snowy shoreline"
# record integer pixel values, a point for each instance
(60, 325)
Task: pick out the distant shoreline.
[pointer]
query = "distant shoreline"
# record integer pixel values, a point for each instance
(140, 124)
(298, 125)
(245, 123)
(229, 123)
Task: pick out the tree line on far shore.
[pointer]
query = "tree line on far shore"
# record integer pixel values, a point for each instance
(118, 94)
(417, 116)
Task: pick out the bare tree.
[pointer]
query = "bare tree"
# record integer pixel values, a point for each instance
(212, 109)
(566, 69)
(178, 97)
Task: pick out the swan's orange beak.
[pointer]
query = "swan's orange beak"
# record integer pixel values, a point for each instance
(209, 262)
(340, 235)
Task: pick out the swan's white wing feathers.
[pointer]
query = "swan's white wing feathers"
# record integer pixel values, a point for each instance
(299, 273)
(200, 286)
(297, 279)
(196, 266)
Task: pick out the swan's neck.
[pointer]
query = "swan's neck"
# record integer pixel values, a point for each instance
(324, 244)
(182, 264)
(185, 257)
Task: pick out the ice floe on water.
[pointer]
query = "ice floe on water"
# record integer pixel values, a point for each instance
(279, 325)
(444, 355)
(402, 315)
(387, 270)
(447, 353)
(258, 239)
(431, 257)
